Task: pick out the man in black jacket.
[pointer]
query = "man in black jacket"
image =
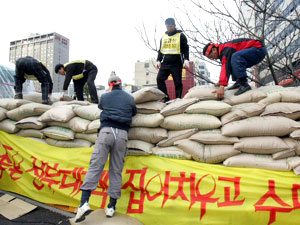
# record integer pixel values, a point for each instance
(32, 69)
(172, 56)
(81, 71)
(118, 109)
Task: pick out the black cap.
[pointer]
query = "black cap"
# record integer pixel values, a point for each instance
(170, 21)
(58, 67)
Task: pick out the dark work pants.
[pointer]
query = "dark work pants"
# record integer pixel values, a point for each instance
(33, 67)
(89, 78)
(244, 59)
(163, 75)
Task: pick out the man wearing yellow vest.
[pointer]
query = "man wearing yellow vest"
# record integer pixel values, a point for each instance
(81, 71)
(31, 69)
(172, 57)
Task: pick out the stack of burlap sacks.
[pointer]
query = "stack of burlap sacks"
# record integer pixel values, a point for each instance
(67, 124)
(256, 129)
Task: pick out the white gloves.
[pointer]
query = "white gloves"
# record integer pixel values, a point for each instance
(186, 63)
(158, 64)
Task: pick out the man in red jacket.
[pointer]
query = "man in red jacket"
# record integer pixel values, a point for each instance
(236, 56)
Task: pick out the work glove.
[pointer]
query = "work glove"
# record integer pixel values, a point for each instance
(186, 64)
(158, 65)
(63, 94)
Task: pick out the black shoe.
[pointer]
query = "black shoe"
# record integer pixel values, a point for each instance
(165, 99)
(236, 85)
(18, 96)
(244, 88)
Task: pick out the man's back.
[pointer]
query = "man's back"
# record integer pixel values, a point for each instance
(118, 108)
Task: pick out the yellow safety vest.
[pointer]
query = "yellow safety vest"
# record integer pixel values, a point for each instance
(76, 76)
(170, 44)
(32, 77)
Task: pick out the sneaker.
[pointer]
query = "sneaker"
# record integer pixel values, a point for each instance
(244, 88)
(109, 212)
(82, 212)
(236, 85)
(18, 96)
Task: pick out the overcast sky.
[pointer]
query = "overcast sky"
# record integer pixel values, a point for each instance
(100, 31)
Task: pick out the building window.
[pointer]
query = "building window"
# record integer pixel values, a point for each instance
(147, 82)
(202, 72)
(146, 65)
(147, 73)
(201, 67)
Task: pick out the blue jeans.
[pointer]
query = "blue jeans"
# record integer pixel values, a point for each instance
(244, 59)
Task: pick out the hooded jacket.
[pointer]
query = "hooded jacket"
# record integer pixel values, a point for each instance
(170, 60)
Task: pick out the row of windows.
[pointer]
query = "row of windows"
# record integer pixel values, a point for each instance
(284, 33)
(286, 12)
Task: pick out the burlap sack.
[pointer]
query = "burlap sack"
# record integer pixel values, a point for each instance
(249, 96)
(294, 147)
(215, 108)
(2, 113)
(285, 109)
(213, 137)
(59, 114)
(136, 152)
(295, 134)
(293, 144)
(76, 124)
(150, 107)
(260, 126)
(90, 112)
(139, 145)
(93, 127)
(257, 161)
(261, 145)
(37, 97)
(175, 136)
(59, 133)
(282, 96)
(148, 94)
(172, 152)
(151, 135)
(89, 137)
(284, 154)
(293, 162)
(74, 102)
(270, 89)
(31, 123)
(9, 126)
(189, 121)
(206, 153)
(77, 143)
(297, 170)
(243, 111)
(147, 120)
(202, 93)
(178, 106)
(27, 110)
(30, 133)
(39, 140)
(10, 104)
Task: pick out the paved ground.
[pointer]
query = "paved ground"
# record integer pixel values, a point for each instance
(38, 216)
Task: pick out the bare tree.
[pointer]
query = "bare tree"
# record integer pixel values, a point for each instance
(275, 22)
(277, 27)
